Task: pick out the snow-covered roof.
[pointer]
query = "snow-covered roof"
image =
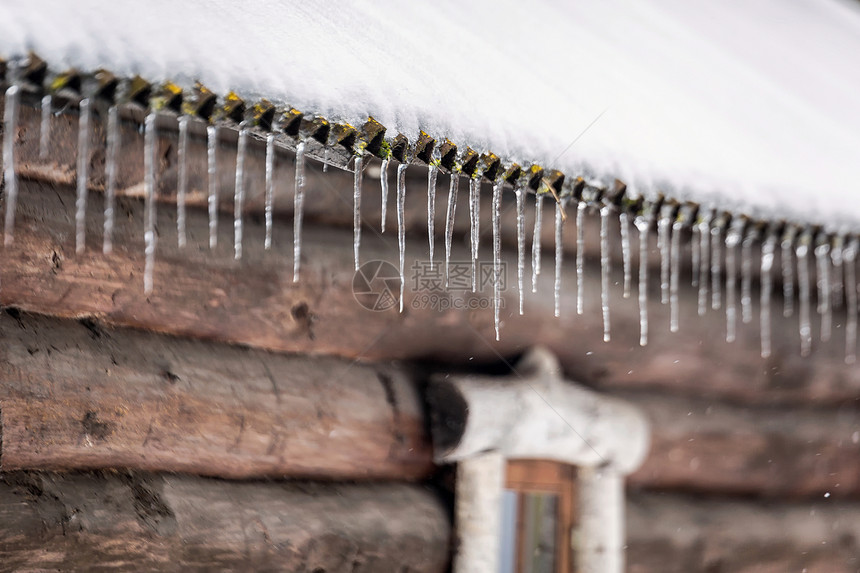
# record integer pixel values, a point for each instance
(746, 105)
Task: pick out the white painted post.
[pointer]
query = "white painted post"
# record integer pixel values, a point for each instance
(599, 537)
(480, 481)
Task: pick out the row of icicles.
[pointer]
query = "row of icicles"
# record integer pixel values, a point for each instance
(835, 260)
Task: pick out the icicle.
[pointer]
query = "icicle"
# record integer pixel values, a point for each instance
(497, 253)
(695, 254)
(521, 242)
(45, 127)
(605, 268)
(849, 258)
(239, 193)
(298, 210)
(838, 280)
(643, 224)
(113, 143)
(768, 249)
(182, 186)
(822, 261)
(270, 188)
(664, 227)
(716, 265)
(559, 254)
(705, 263)
(674, 274)
(788, 271)
(149, 150)
(356, 207)
(449, 219)
(383, 183)
(624, 222)
(401, 228)
(536, 240)
(10, 176)
(432, 170)
(82, 176)
(733, 238)
(325, 159)
(802, 252)
(580, 257)
(212, 171)
(475, 212)
(746, 274)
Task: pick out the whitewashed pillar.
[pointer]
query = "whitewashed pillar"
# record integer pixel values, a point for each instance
(480, 481)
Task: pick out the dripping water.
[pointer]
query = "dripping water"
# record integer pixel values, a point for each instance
(182, 187)
(805, 327)
(768, 249)
(849, 259)
(475, 213)
(580, 257)
(82, 176)
(822, 261)
(664, 226)
(497, 254)
(401, 228)
(113, 143)
(212, 172)
(383, 184)
(149, 150)
(605, 269)
(624, 221)
(705, 263)
(356, 207)
(746, 275)
(432, 170)
(674, 275)
(45, 127)
(270, 187)
(733, 238)
(239, 193)
(716, 267)
(536, 240)
(521, 243)
(559, 254)
(643, 224)
(788, 272)
(10, 177)
(449, 219)
(298, 210)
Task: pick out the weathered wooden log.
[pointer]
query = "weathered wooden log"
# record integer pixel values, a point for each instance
(679, 534)
(207, 294)
(79, 396)
(148, 522)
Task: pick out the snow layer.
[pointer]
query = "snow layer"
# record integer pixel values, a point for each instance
(749, 105)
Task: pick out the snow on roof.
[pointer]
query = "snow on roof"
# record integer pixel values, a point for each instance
(749, 105)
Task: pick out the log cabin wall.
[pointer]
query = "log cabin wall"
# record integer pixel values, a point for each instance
(230, 370)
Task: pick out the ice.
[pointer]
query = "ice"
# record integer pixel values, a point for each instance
(497, 253)
(401, 227)
(270, 187)
(716, 266)
(559, 255)
(822, 262)
(432, 170)
(356, 207)
(664, 228)
(113, 144)
(182, 183)
(768, 250)
(580, 257)
(82, 176)
(475, 224)
(787, 245)
(704, 225)
(805, 326)
(449, 219)
(10, 176)
(695, 254)
(746, 274)
(849, 259)
(45, 127)
(624, 222)
(643, 225)
(536, 240)
(212, 172)
(383, 184)
(521, 243)
(239, 193)
(733, 239)
(298, 209)
(838, 276)
(150, 144)
(674, 274)
(325, 159)
(605, 268)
